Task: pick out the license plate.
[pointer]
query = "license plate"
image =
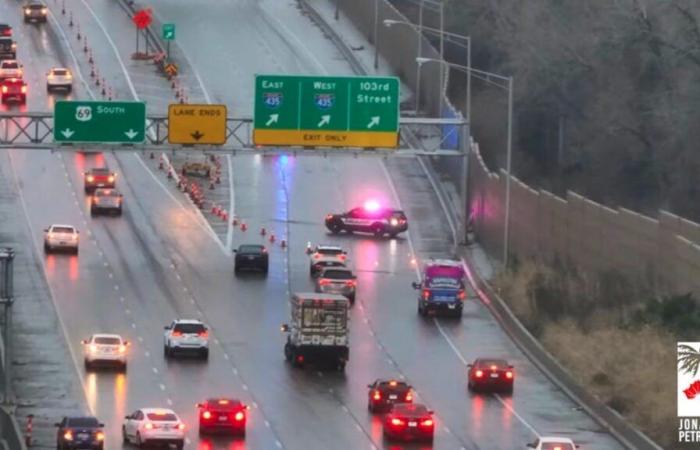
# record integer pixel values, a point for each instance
(441, 298)
(392, 397)
(100, 184)
(166, 427)
(83, 436)
(494, 375)
(451, 306)
(222, 418)
(412, 424)
(62, 242)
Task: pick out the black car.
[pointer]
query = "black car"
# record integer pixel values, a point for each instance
(383, 394)
(80, 433)
(35, 12)
(378, 221)
(251, 257)
(8, 48)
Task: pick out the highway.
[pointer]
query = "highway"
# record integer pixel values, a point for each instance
(162, 261)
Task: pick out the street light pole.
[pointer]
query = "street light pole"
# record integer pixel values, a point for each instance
(376, 34)
(442, 56)
(337, 10)
(506, 227)
(420, 53)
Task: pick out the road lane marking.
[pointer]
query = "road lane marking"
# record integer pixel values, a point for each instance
(161, 386)
(155, 370)
(169, 402)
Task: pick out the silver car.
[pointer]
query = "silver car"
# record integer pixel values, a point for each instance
(106, 201)
(337, 280)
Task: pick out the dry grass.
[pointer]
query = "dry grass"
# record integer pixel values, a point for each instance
(632, 370)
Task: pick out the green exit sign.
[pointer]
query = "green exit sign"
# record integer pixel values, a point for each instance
(326, 111)
(168, 32)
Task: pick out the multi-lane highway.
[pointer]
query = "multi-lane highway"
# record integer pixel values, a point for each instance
(161, 261)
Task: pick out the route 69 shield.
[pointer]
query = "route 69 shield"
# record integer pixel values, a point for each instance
(324, 101)
(83, 113)
(272, 100)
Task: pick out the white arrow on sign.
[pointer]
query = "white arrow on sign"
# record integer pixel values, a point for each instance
(131, 133)
(273, 119)
(67, 133)
(325, 120)
(372, 123)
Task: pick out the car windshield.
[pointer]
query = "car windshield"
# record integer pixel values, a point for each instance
(250, 249)
(444, 282)
(10, 65)
(36, 6)
(189, 328)
(410, 408)
(87, 422)
(492, 362)
(162, 417)
(557, 446)
(62, 230)
(60, 72)
(329, 251)
(330, 264)
(106, 193)
(100, 171)
(396, 385)
(337, 274)
(107, 341)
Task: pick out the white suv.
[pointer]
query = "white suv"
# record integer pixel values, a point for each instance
(323, 256)
(184, 335)
(154, 426)
(105, 349)
(552, 443)
(59, 78)
(61, 237)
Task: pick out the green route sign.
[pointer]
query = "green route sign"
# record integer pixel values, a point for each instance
(168, 32)
(103, 122)
(326, 111)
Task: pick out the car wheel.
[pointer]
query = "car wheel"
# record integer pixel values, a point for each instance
(334, 227)
(137, 441)
(47, 249)
(311, 271)
(287, 352)
(378, 231)
(48, 87)
(236, 269)
(166, 351)
(352, 299)
(393, 235)
(88, 365)
(421, 311)
(75, 251)
(93, 211)
(119, 212)
(125, 438)
(123, 367)
(205, 354)
(265, 269)
(180, 445)
(341, 365)
(69, 89)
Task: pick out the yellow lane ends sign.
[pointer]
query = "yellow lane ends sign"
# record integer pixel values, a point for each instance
(197, 124)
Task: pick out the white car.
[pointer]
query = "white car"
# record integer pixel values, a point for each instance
(107, 349)
(552, 443)
(10, 68)
(154, 426)
(59, 78)
(186, 336)
(323, 256)
(61, 237)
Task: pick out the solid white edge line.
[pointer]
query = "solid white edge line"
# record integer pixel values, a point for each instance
(37, 253)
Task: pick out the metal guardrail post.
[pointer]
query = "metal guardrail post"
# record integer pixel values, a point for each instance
(7, 256)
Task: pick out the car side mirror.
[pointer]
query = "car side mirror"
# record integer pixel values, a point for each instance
(84, 341)
(167, 327)
(127, 343)
(127, 417)
(235, 250)
(102, 425)
(284, 328)
(530, 445)
(510, 366)
(430, 411)
(369, 386)
(415, 285)
(470, 365)
(198, 405)
(57, 424)
(46, 229)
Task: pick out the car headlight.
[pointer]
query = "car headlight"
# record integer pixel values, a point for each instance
(27, 11)
(394, 222)
(44, 11)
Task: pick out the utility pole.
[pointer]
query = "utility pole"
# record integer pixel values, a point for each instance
(7, 256)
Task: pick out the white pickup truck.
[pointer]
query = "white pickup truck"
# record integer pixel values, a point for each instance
(10, 68)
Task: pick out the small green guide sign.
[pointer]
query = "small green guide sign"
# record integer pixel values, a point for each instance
(168, 32)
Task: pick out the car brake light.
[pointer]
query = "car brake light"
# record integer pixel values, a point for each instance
(329, 216)
(177, 333)
(24, 89)
(100, 436)
(461, 294)
(148, 426)
(110, 179)
(342, 257)
(479, 374)
(239, 416)
(351, 283)
(396, 422)
(377, 395)
(122, 348)
(509, 374)
(409, 397)
(426, 294)
(223, 402)
(90, 178)
(181, 426)
(427, 423)
(203, 334)
(317, 256)
(324, 282)
(392, 383)
(4, 89)
(206, 415)
(68, 435)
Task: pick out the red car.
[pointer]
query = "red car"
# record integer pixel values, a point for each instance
(222, 414)
(383, 394)
(491, 374)
(409, 421)
(99, 177)
(13, 89)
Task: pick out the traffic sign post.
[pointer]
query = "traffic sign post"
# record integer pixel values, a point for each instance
(100, 122)
(197, 124)
(168, 35)
(326, 111)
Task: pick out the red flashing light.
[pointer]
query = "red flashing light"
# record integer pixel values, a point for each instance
(371, 205)
(479, 373)
(351, 283)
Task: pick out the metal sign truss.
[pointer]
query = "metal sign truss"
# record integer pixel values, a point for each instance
(35, 130)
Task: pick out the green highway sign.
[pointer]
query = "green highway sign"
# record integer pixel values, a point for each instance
(326, 111)
(103, 122)
(168, 32)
